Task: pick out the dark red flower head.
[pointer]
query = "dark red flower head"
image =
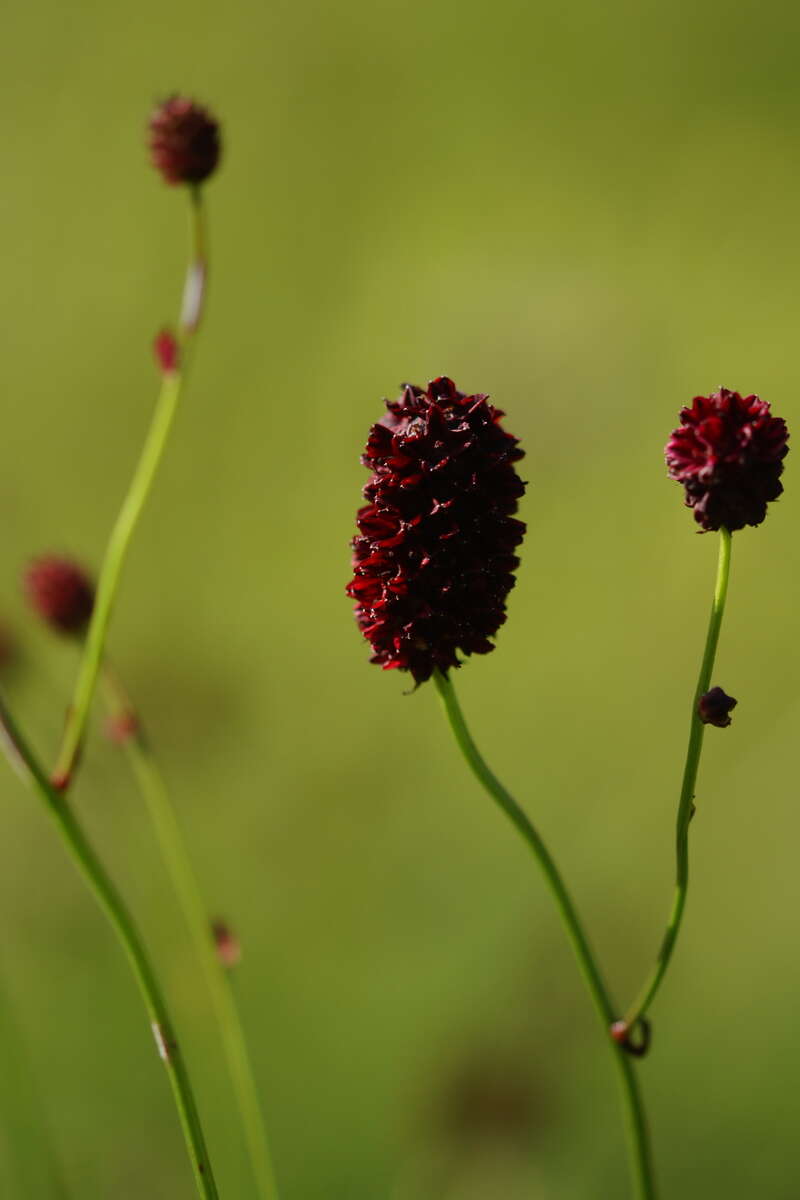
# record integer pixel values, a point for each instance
(434, 556)
(714, 708)
(728, 453)
(61, 593)
(184, 141)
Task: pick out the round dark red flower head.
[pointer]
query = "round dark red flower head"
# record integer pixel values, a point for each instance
(184, 141)
(714, 708)
(60, 592)
(434, 556)
(728, 453)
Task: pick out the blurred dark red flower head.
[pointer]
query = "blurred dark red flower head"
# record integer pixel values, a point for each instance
(714, 708)
(728, 453)
(60, 592)
(434, 556)
(184, 141)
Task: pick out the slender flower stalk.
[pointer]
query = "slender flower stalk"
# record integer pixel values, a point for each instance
(27, 765)
(641, 1159)
(127, 730)
(728, 454)
(686, 803)
(173, 376)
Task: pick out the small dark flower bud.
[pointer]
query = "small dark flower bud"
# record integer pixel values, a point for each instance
(184, 141)
(728, 453)
(434, 557)
(60, 592)
(619, 1032)
(714, 708)
(229, 950)
(165, 348)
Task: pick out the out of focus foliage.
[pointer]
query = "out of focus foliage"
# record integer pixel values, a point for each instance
(591, 213)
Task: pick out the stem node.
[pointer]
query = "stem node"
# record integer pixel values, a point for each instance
(623, 1035)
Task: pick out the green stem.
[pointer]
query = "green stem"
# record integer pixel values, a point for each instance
(144, 767)
(685, 806)
(113, 906)
(641, 1161)
(133, 504)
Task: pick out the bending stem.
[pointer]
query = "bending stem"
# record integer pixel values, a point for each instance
(641, 1160)
(122, 923)
(134, 502)
(145, 769)
(686, 803)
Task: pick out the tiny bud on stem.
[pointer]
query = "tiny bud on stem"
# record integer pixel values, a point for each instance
(714, 708)
(165, 348)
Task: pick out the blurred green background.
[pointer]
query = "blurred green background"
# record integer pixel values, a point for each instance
(591, 213)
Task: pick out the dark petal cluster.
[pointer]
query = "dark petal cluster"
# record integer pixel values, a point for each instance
(728, 453)
(714, 708)
(184, 141)
(434, 557)
(60, 592)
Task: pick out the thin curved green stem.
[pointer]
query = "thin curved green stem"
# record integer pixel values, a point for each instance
(686, 803)
(145, 769)
(26, 764)
(641, 1159)
(134, 502)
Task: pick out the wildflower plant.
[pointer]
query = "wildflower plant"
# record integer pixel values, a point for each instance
(433, 563)
(185, 146)
(728, 453)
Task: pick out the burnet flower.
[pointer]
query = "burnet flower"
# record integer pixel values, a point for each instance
(184, 141)
(434, 561)
(434, 557)
(61, 592)
(728, 453)
(714, 708)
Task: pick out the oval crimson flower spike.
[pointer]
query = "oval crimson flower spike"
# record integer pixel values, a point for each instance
(434, 556)
(728, 453)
